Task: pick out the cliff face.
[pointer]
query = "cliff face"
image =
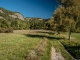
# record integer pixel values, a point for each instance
(10, 15)
(4, 14)
(1, 11)
(17, 15)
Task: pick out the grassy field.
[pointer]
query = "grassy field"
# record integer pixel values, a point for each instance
(76, 36)
(59, 48)
(18, 45)
(73, 46)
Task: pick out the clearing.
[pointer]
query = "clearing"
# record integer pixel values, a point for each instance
(43, 43)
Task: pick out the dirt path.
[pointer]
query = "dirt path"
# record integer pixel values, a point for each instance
(56, 55)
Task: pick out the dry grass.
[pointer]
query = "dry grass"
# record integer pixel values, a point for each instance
(16, 46)
(30, 31)
(38, 51)
(20, 46)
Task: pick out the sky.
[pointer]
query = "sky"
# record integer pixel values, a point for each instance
(31, 8)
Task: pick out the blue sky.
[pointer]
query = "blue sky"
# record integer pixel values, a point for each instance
(31, 8)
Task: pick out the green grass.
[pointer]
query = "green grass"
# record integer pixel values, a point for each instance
(47, 53)
(76, 36)
(59, 48)
(16, 46)
(72, 47)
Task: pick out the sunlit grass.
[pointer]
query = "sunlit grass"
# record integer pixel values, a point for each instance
(76, 35)
(47, 53)
(16, 46)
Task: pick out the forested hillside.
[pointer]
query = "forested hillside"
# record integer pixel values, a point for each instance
(65, 18)
(16, 21)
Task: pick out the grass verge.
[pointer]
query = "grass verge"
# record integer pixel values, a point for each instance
(72, 47)
(47, 53)
(59, 48)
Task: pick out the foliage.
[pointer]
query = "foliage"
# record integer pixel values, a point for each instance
(35, 23)
(4, 23)
(6, 30)
(17, 24)
(65, 15)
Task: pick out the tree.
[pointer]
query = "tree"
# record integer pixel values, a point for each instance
(67, 15)
(35, 23)
(27, 25)
(4, 23)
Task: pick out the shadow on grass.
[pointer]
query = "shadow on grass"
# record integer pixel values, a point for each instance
(42, 36)
(74, 51)
(47, 32)
(73, 48)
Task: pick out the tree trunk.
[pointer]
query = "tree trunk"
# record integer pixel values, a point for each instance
(70, 32)
(70, 35)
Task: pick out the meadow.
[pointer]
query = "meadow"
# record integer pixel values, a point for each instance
(20, 44)
(16, 46)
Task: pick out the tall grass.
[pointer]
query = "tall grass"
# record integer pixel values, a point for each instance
(47, 53)
(16, 46)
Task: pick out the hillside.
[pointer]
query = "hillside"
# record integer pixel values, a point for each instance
(18, 22)
(6, 14)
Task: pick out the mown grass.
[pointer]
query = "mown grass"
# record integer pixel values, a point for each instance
(76, 36)
(16, 46)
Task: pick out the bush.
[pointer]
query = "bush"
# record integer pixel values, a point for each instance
(9, 30)
(6, 30)
(77, 30)
(2, 30)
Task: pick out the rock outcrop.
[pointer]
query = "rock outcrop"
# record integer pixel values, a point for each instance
(6, 14)
(17, 15)
(1, 11)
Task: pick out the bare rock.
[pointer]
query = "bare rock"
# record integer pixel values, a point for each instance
(13, 16)
(1, 11)
(1, 17)
(19, 16)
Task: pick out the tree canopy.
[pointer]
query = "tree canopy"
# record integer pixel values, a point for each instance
(67, 14)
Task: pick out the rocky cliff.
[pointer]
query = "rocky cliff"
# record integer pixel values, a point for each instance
(6, 14)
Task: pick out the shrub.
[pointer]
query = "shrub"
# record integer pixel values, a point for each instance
(6, 30)
(9, 30)
(2, 30)
(77, 30)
